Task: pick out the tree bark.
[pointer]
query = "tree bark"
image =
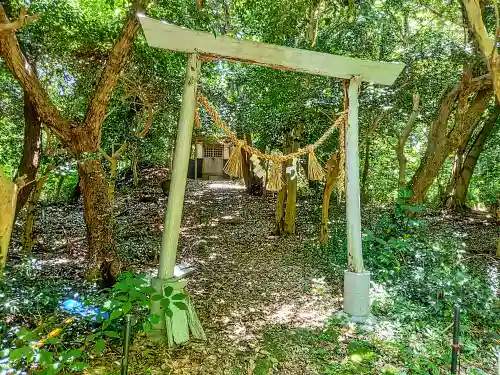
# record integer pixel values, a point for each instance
(291, 197)
(486, 44)
(280, 210)
(97, 215)
(332, 175)
(8, 199)
(32, 152)
(465, 162)
(440, 140)
(254, 185)
(27, 238)
(113, 169)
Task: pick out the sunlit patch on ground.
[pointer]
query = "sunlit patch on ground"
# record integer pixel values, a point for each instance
(225, 186)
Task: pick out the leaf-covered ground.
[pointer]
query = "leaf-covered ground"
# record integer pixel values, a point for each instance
(262, 300)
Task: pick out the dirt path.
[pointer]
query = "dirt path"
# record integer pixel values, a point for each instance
(246, 280)
(246, 283)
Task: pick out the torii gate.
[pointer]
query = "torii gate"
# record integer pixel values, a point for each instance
(196, 43)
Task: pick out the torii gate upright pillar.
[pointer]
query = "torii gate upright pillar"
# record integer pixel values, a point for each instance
(180, 323)
(356, 280)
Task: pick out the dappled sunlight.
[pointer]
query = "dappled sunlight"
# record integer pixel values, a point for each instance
(225, 186)
(247, 282)
(494, 279)
(55, 262)
(283, 315)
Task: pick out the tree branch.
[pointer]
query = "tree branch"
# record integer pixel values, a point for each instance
(25, 74)
(411, 120)
(79, 137)
(97, 110)
(145, 131)
(120, 151)
(475, 17)
(24, 19)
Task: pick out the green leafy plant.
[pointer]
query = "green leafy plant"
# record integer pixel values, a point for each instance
(48, 354)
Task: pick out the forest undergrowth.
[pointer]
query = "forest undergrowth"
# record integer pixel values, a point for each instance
(268, 304)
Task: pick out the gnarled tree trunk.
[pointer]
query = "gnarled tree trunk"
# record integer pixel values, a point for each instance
(78, 137)
(32, 152)
(27, 238)
(97, 214)
(441, 141)
(465, 162)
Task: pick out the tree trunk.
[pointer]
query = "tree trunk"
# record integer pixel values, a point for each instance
(280, 210)
(456, 185)
(113, 170)
(246, 171)
(32, 151)
(97, 215)
(291, 197)
(488, 46)
(27, 238)
(366, 169)
(80, 137)
(441, 142)
(253, 184)
(8, 199)
(332, 175)
(465, 162)
(77, 191)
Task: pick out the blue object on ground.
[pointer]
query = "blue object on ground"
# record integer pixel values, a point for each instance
(78, 307)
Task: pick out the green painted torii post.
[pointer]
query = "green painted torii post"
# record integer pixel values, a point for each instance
(196, 43)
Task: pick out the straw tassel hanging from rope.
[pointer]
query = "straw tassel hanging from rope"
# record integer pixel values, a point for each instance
(274, 180)
(314, 170)
(234, 166)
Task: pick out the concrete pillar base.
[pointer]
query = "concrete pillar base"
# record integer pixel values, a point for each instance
(357, 294)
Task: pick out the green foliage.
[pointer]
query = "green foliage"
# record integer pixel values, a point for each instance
(418, 276)
(43, 349)
(71, 41)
